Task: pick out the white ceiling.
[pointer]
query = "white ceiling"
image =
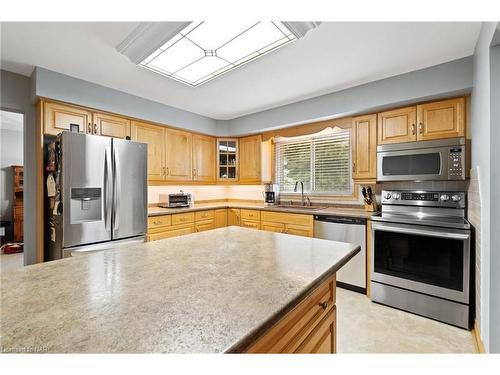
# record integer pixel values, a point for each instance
(335, 56)
(11, 121)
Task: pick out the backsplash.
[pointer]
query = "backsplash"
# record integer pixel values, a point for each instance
(208, 192)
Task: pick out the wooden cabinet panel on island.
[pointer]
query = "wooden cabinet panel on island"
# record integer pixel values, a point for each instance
(59, 117)
(154, 137)
(203, 158)
(397, 125)
(250, 159)
(442, 119)
(308, 328)
(364, 153)
(178, 153)
(111, 126)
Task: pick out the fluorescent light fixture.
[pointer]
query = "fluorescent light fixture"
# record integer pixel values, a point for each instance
(202, 51)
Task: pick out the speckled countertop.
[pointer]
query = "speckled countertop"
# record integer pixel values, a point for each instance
(339, 211)
(206, 292)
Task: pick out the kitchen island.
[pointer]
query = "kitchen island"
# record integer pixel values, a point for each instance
(225, 290)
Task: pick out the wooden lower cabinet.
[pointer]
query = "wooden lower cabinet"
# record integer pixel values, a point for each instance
(201, 226)
(299, 230)
(296, 224)
(233, 216)
(220, 217)
(250, 224)
(172, 231)
(273, 227)
(310, 327)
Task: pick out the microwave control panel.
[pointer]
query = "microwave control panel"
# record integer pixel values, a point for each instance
(455, 163)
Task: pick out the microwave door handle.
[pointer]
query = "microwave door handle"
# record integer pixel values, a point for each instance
(420, 231)
(116, 189)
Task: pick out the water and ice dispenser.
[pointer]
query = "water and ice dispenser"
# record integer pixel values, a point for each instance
(86, 205)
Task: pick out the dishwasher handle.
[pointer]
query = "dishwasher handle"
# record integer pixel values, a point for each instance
(340, 219)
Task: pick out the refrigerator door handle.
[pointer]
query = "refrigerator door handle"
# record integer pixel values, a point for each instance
(117, 189)
(107, 188)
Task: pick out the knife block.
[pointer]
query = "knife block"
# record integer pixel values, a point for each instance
(372, 207)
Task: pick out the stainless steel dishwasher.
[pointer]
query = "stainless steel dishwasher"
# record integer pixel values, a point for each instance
(346, 229)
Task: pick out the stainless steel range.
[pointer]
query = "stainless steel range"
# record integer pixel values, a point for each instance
(421, 255)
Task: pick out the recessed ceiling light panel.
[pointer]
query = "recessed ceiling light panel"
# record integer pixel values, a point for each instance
(204, 50)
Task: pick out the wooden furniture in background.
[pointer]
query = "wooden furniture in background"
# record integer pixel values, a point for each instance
(250, 218)
(221, 218)
(297, 224)
(227, 159)
(249, 163)
(364, 148)
(397, 125)
(233, 216)
(442, 119)
(310, 327)
(18, 202)
(203, 158)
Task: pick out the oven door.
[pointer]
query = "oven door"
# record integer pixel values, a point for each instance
(427, 260)
(414, 165)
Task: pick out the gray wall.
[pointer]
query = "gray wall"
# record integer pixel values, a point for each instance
(11, 153)
(454, 77)
(16, 95)
(495, 197)
(481, 161)
(58, 86)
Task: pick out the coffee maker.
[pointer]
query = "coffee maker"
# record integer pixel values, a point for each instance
(271, 194)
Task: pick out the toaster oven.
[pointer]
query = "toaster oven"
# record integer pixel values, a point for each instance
(176, 200)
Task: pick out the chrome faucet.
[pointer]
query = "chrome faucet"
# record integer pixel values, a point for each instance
(301, 191)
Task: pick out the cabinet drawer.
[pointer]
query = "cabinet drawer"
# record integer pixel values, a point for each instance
(299, 230)
(185, 218)
(179, 230)
(159, 221)
(293, 332)
(286, 218)
(204, 225)
(273, 227)
(322, 339)
(204, 215)
(250, 224)
(250, 214)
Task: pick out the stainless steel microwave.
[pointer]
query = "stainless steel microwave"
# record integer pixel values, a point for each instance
(437, 160)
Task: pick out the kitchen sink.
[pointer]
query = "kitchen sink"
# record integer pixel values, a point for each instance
(312, 208)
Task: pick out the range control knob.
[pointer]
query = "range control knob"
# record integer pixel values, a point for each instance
(396, 196)
(388, 195)
(445, 197)
(456, 198)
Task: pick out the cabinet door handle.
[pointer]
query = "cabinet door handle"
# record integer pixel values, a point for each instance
(421, 128)
(353, 167)
(167, 171)
(95, 128)
(194, 171)
(89, 128)
(323, 305)
(413, 129)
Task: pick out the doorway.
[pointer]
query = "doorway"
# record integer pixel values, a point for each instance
(11, 189)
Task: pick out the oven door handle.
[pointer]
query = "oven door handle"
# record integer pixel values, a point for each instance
(434, 232)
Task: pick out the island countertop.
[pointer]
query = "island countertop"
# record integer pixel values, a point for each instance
(206, 292)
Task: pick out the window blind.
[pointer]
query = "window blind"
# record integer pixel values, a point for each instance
(321, 162)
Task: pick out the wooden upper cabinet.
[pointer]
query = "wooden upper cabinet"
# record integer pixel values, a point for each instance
(59, 117)
(203, 158)
(442, 119)
(154, 137)
(110, 125)
(178, 152)
(250, 156)
(397, 125)
(364, 149)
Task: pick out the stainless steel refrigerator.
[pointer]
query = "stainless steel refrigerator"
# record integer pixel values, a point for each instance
(100, 195)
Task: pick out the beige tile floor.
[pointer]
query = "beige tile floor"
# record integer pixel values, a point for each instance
(367, 327)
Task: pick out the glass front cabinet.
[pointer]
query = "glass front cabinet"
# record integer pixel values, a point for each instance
(227, 159)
